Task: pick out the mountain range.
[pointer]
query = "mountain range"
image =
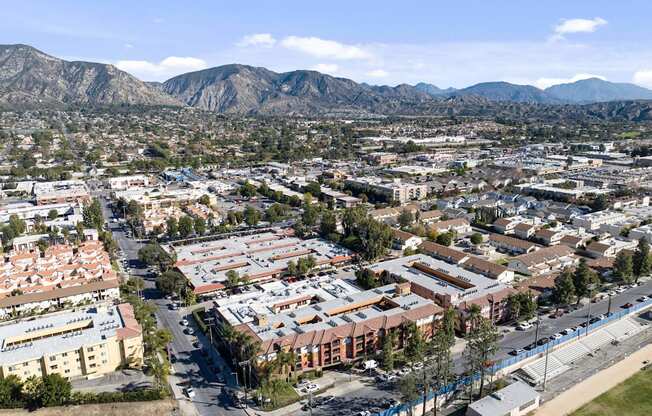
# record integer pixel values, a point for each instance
(31, 78)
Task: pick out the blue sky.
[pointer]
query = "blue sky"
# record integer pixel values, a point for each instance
(380, 42)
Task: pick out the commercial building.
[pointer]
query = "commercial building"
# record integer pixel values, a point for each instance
(60, 192)
(257, 257)
(344, 329)
(382, 158)
(81, 343)
(119, 183)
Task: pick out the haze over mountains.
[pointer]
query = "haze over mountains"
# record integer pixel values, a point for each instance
(29, 78)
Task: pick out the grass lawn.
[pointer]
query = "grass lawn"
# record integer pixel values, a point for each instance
(630, 134)
(633, 397)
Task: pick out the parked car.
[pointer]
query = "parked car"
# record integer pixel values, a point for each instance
(556, 336)
(190, 392)
(530, 346)
(568, 331)
(184, 322)
(517, 352)
(189, 331)
(642, 299)
(543, 341)
(627, 305)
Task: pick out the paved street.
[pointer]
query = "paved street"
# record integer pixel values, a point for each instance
(190, 367)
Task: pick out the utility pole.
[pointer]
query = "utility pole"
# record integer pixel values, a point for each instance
(588, 315)
(609, 307)
(545, 368)
(536, 333)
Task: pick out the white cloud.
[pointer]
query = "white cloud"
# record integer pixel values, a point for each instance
(257, 39)
(128, 45)
(378, 73)
(544, 83)
(326, 68)
(322, 48)
(168, 67)
(643, 78)
(577, 26)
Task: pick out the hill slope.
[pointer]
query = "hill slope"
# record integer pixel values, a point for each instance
(597, 90)
(29, 77)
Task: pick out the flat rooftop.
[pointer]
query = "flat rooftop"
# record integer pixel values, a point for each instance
(260, 256)
(353, 308)
(26, 340)
(440, 277)
(267, 298)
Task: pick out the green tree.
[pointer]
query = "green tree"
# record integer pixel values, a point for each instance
(476, 238)
(205, 200)
(480, 349)
(10, 391)
(200, 225)
(53, 214)
(624, 267)
(366, 278)
(416, 345)
(92, 215)
(185, 226)
(445, 239)
(405, 218)
(641, 261)
(170, 282)
(408, 390)
(55, 391)
(153, 255)
(389, 342)
(248, 190)
(306, 264)
(564, 291)
(328, 223)
(252, 216)
(583, 279)
(171, 227)
(232, 278)
(310, 214)
(17, 224)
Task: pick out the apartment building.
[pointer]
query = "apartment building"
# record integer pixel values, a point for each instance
(395, 190)
(382, 158)
(344, 329)
(512, 245)
(456, 225)
(467, 261)
(256, 257)
(75, 344)
(59, 266)
(592, 221)
(450, 285)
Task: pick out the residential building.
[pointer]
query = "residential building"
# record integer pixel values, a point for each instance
(467, 261)
(512, 245)
(395, 190)
(382, 158)
(404, 240)
(90, 342)
(343, 329)
(543, 261)
(255, 257)
(457, 225)
(592, 221)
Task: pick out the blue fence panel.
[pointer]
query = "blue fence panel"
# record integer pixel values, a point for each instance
(527, 354)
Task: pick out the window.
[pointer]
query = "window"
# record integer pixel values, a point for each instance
(25, 364)
(53, 367)
(528, 404)
(65, 354)
(93, 365)
(67, 371)
(104, 361)
(89, 349)
(53, 357)
(91, 357)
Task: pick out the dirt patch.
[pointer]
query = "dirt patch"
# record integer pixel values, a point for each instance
(159, 408)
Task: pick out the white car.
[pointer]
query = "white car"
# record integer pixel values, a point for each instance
(190, 331)
(184, 322)
(309, 388)
(190, 392)
(524, 326)
(556, 336)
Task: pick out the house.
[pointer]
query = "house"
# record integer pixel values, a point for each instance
(517, 399)
(457, 225)
(524, 231)
(403, 240)
(430, 216)
(505, 225)
(545, 260)
(548, 237)
(512, 245)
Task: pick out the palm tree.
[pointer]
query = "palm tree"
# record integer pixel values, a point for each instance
(474, 316)
(283, 360)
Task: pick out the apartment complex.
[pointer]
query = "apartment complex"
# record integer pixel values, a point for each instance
(59, 266)
(395, 190)
(449, 285)
(257, 257)
(74, 344)
(543, 261)
(343, 329)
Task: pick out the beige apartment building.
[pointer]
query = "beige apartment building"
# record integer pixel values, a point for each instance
(82, 343)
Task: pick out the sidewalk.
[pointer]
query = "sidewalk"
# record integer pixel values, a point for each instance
(587, 390)
(340, 384)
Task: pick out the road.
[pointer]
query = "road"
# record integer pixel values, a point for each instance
(190, 365)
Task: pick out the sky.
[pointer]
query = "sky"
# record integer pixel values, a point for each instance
(460, 43)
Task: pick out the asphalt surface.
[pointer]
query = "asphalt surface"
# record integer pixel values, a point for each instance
(190, 367)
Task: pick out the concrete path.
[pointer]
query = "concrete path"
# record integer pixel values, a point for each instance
(587, 390)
